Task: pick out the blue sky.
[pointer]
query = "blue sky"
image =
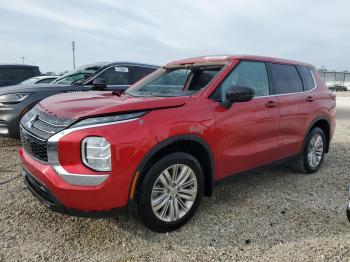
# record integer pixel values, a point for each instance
(160, 31)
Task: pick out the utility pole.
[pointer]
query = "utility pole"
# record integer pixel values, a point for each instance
(73, 50)
(23, 59)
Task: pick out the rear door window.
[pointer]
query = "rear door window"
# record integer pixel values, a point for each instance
(286, 79)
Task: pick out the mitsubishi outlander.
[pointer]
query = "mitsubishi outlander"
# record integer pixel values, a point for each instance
(157, 148)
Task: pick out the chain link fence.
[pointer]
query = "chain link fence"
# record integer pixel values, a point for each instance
(333, 78)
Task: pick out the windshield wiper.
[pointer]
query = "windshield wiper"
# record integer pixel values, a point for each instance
(118, 93)
(138, 93)
(78, 82)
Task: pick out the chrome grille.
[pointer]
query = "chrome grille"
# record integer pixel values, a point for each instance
(34, 145)
(42, 124)
(36, 128)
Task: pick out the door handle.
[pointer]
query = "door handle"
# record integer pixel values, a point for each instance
(271, 104)
(309, 99)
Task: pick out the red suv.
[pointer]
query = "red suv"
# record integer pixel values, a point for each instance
(161, 145)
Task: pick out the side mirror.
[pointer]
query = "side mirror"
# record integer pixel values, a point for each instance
(99, 84)
(238, 94)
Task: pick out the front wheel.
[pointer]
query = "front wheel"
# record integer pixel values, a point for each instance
(310, 160)
(170, 192)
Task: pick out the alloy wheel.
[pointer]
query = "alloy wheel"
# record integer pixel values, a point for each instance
(315, 151)
(174, 193)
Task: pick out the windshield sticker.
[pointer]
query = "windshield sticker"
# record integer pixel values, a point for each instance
(121, 69)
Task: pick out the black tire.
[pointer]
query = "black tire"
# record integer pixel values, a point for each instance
(301, 163)
(144, 195)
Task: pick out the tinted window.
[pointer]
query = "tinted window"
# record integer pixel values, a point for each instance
(307, 77)
(45, 81)
(139, 72)
(118, 75)
(247, 74)
(286, 79)
(16, 73)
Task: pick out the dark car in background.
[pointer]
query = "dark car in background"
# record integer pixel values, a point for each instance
(338, 88)
(16, 100)
(12, 74)
(39, 80)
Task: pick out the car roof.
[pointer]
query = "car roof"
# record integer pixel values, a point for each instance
(103, 65)
(17, 66)
(227, 58)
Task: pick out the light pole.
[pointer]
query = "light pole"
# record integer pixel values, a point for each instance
(23, 57)
(73, 50)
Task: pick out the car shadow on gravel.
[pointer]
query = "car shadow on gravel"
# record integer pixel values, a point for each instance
(271, 205)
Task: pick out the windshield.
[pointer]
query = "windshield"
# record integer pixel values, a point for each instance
(78, 75)
(30, 81)
(70, 79)
(179, 81)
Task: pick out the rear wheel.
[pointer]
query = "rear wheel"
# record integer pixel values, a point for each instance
(313, 152)
(170, 192)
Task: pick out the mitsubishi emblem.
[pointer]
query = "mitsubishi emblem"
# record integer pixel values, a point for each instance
(31, 121)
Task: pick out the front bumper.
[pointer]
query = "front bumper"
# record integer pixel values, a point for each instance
(9, 123)
(10, 115)
(59, 195)
(40, 191)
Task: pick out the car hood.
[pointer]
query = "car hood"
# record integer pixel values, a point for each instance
(30, 88)
(92, 103)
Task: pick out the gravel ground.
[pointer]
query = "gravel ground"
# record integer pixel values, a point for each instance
(273, 214)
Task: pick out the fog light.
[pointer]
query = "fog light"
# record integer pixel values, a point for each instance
(96, 153)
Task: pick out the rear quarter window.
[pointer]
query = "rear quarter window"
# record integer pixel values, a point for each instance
(308, 80)
(286, 79)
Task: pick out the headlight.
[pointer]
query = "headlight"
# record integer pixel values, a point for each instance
(96, 153)
(13, 98)
(108, 119)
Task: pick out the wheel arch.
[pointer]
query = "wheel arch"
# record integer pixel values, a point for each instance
(191, 144)
(322, 123)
